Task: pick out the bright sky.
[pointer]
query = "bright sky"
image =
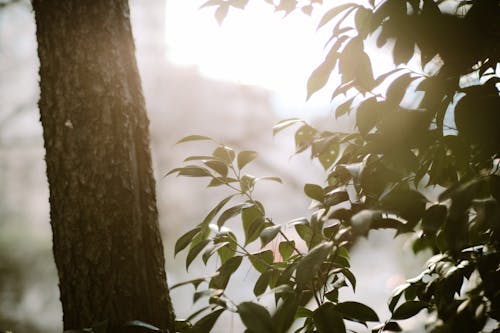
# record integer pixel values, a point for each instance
(256, 46)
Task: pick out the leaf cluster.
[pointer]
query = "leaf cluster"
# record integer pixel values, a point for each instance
(428, 125)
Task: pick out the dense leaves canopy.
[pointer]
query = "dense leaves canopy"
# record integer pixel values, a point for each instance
(424, 160)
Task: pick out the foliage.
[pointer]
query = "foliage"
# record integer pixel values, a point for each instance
(427, 126)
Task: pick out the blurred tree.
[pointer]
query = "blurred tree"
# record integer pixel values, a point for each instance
(106, 240)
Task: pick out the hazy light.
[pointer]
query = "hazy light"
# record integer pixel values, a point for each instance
(256, 46)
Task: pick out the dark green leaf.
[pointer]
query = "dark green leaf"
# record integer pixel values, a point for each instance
(362, 221)
(212, 250)
(255, 317)
(194, 282)
(195, 250)
(190, 171)
(367, 115)
(261, 284)
(285, 314)
(185, 239)
(357, 311)
(225, 271)
(229, 213)
(262, 261)
(311, 263)
(392, 326)
(205, 324)
(398, 87)
(286, 249)
(328, 320)
(253, 221)
(408, 309)
(350, 277)
(314, 191)
(215, 211)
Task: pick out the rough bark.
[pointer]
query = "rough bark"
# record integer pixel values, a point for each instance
(106, 240)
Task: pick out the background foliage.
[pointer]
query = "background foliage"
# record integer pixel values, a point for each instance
(424, 160)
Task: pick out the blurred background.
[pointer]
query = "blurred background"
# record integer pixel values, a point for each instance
(231, 82)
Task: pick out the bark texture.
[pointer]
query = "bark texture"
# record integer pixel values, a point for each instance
(106, 240)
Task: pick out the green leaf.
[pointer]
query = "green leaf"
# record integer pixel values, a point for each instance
(225, 272)
(261, 261)
(303, 312)
(344, 108)
(218, 166)
(304, 231)
(195, 250)
(315, 192)
(245, 157)
(218, 181)
(330, 15)
(285, 314)
(212, 250)
(268, 234)
(195, 282)
(206, 221)
(367, 115)
(261, 284)
(392, 326)
(253, 222)
(247, 183)
(328, 320)
(362, 221)
(198, 158)
(228, 251)
(221, 12)
(285, 123)
(193, 138)
(398, 87)
(229, 213)
(255, 317)
(433, 218)
(286, 249)
(357, 311)
(274, 179)
(190, 171)
(224, 154)
(185, 239)
(408, 309)
(319, 77)
(335, 197)
(205, 324)
(350, 277)
(310, 264)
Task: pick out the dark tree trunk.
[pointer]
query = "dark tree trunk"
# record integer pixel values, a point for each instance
(107, 245)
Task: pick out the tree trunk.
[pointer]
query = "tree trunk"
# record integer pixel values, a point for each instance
(106, 240)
